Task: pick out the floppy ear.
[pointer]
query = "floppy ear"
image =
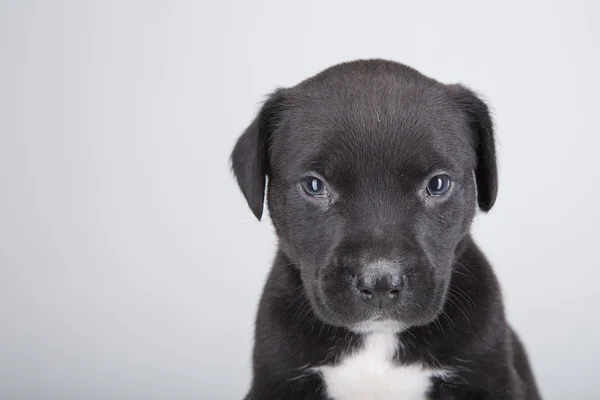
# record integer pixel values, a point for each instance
(250, 159)
(482, 128)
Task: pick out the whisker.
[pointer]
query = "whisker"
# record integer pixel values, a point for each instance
(300, 310)
(465, 267)
(460, 307)
(463, 294)
(445, 315)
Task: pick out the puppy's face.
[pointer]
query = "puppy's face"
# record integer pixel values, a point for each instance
(375, 173)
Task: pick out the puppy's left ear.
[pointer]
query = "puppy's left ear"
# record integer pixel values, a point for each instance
(250, 158)
(482, 129)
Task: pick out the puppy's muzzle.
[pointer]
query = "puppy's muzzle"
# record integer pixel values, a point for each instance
(379, 284)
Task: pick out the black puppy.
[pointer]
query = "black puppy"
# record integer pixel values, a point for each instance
(377, 290)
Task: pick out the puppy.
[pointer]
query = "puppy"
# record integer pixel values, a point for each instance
(378, 290)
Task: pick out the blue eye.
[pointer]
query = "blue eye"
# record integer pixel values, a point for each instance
(314, 186)
(438, 185)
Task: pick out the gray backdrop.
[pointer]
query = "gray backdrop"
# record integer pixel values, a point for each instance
(130, 267)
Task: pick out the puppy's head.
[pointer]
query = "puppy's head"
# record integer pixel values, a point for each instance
(374, 175)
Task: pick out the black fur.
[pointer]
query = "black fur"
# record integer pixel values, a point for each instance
(375, 131)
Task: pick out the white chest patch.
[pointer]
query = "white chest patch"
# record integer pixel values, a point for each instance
(370, 374)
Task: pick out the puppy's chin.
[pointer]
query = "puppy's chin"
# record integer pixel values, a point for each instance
(382, 326)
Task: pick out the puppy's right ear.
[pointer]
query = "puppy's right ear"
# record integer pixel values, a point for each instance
(250, 158)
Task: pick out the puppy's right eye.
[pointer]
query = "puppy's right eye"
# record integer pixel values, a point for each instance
(314, 187)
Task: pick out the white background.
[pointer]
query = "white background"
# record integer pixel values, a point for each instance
(130, 267)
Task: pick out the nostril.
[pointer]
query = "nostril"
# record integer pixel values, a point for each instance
(392, 294)
(367, 293)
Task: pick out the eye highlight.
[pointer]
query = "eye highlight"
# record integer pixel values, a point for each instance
(314, 187)
(439, 185)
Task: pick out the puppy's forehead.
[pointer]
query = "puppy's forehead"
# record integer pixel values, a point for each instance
(381, 114)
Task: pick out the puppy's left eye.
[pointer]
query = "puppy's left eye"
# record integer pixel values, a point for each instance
(438, 185)
(314, 186)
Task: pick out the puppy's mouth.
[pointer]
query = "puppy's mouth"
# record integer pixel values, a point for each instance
(343, 305)
(353, 313)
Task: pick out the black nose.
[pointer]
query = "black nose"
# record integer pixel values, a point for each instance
(380, 290)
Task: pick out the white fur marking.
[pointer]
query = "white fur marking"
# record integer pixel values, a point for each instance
(385, 326)
(370, 373)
